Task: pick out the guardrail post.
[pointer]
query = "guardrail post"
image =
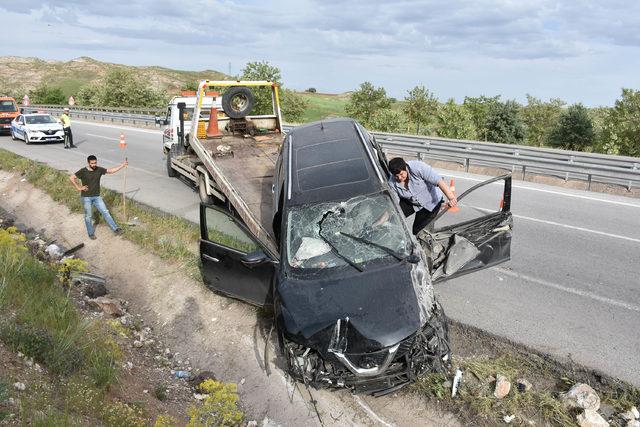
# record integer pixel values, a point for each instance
(524, 171)
(420, 156)
(466, 164)
(589, 181)
(635, 168)
(566, 175)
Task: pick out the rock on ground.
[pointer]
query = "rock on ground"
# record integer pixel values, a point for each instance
(581, 396)
(107, 305)
(503, 386)
(591, 418)
(95, 290)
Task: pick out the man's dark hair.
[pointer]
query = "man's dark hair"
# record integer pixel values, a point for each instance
(91, 157)
(397, 165)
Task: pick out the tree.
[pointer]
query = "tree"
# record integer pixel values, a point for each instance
(311, 90)
(621, 131)
(420, 108)
(44, 94)
(365, 102)
(387, 120)
(89, 95)
(121, 88)
(262, 70)
(292, 105)
(539, 118)
(574, 130)
(504, 124)
(191, 85)
(479, 107)
(454, 121)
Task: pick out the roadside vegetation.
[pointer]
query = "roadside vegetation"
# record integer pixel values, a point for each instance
(168, 236)
(537, 385)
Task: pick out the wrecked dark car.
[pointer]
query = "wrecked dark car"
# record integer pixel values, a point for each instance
(351, 292)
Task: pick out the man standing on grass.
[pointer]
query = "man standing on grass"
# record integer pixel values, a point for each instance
(90, 193)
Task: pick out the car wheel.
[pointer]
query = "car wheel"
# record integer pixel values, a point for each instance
(237, 102)
(26, 139)
(205, 198)
(170, 171)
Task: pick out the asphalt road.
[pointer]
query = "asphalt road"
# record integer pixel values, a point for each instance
(572, 287)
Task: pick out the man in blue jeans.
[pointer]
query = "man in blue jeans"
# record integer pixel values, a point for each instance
(90, 193)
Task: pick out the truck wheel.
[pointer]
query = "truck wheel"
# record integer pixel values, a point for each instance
(205, 198)
(237, 102)
(172, 173)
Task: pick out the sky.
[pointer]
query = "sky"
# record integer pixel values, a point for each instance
(580, 51)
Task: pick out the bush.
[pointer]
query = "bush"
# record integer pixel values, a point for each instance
(311, 90)
(574, 130)
(219, 408)
(44, 94)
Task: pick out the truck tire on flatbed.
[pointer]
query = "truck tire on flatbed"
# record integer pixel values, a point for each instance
(237, 102)
(172, 173)
(205, 198)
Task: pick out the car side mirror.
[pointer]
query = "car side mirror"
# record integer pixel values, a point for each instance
(254, 258)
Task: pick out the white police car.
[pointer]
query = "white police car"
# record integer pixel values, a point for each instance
(37, 128)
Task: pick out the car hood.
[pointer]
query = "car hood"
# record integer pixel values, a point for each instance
(45, 126)
(381, 306)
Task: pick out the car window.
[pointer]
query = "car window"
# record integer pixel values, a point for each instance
(358, 229)
(223, 230)
(40, 120)
(483, 201)
(7, 106)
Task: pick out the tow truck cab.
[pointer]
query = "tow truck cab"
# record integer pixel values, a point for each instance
(8, 112)
(172, 116)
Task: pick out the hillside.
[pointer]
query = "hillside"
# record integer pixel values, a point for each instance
(19, 75)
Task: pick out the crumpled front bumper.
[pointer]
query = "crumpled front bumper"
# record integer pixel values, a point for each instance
(379, 372)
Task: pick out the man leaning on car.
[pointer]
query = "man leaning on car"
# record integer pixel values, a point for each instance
(66, 125)
(418, 189)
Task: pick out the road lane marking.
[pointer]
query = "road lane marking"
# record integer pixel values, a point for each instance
(127, 128)
(370, 411)
(103, 137)
(557, 224)
(573, 227)
(567, 289)
(541, 190)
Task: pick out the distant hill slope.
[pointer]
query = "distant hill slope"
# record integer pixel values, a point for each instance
(18, 74)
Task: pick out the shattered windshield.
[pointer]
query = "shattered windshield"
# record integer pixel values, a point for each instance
(354, 232)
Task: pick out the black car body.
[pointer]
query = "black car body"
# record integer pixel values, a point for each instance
(351, 288)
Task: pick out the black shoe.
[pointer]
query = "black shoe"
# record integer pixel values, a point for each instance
(73, 146)
(66, 148)
(119, 231)
(91, 236)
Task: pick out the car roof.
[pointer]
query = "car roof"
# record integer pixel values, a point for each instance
(329, 162)
(36, 114)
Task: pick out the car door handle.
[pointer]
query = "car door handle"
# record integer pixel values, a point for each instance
(210, 258)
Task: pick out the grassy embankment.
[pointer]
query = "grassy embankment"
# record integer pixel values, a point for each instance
(80, 356)
(322, 106)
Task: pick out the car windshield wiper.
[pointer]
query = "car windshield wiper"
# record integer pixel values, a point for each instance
(375, 245)
(333, 248)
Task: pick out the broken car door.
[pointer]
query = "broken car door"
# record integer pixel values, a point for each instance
(233, 262)
(477, 237)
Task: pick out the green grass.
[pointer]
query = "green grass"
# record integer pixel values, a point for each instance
(322, 106)
(475, 401)
(41, 321)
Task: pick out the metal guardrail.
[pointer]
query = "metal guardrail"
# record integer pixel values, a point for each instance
(523, 159)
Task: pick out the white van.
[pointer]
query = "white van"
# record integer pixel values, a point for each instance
(172, 118)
